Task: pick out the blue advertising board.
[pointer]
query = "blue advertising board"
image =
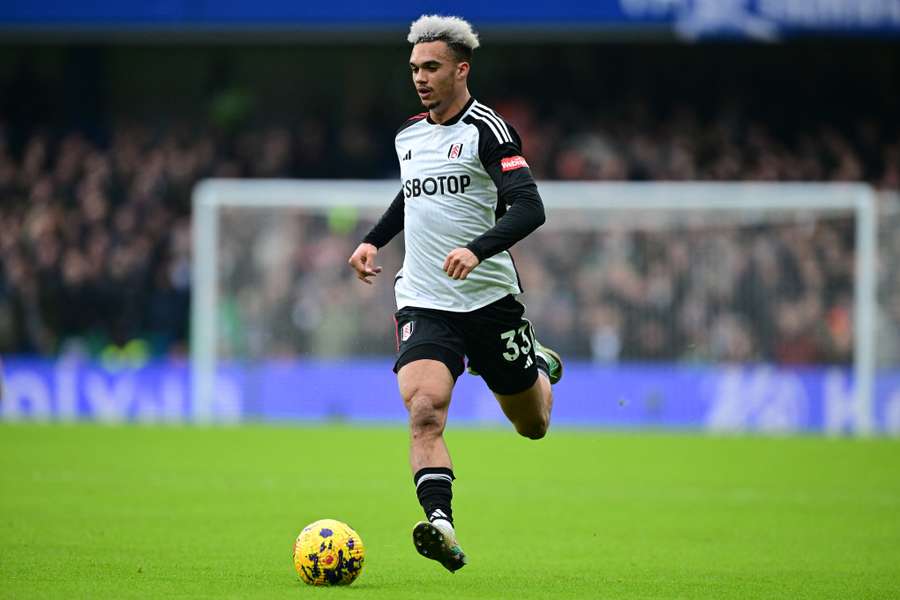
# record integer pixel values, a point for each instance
(753, 19)
(728, 399)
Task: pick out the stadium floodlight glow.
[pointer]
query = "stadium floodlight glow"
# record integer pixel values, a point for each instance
(583, 205)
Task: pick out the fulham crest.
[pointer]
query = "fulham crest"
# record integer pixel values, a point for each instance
(406, 331)
(455, 151)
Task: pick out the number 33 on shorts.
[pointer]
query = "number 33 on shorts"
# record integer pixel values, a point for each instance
(518, 343)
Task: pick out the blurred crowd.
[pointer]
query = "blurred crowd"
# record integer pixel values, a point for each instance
(95, 246)
(95, 242)
(705, 292)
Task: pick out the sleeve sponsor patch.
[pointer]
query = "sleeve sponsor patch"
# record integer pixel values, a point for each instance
(511, 163)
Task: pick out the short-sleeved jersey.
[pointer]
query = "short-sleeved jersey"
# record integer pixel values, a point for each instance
(452, 174)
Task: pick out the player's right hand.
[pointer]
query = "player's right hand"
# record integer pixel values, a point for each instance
(363, 262)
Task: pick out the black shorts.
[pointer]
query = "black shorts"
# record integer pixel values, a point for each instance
(497, 340)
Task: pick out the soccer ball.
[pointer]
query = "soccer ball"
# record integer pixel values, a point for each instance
(328, 552)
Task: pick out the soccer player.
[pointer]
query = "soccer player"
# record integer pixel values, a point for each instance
(467, 196)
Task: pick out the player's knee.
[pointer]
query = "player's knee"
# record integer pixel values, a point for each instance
(533, 429)
(427, 414)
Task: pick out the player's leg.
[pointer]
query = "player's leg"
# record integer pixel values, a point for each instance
(518, 370)
(529, 410)
(427, 370)
(426, 386)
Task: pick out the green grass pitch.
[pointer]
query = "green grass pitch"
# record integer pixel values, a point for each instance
(180, 512)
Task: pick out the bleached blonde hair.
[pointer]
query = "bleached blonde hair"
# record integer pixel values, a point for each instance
(452, 30)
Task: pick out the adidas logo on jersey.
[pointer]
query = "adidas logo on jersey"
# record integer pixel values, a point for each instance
(407, 156)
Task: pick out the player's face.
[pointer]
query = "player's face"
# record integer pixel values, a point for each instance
(437, 75)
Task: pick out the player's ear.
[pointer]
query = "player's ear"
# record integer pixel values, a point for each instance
(462, 70)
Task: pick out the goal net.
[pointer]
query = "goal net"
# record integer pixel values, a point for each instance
(728, 306)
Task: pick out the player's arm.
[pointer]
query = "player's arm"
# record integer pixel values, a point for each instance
(525, 212)
(389, 225)
(517, 190)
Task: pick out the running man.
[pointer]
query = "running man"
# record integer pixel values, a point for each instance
(467, 196)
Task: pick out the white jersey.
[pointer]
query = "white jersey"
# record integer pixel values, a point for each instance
(450, 174)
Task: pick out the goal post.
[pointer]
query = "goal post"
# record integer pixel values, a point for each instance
(570, 205)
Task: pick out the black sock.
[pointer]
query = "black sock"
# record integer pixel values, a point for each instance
(542, 365)
(433, 487)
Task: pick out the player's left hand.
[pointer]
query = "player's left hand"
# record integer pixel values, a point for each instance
(460, 262)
